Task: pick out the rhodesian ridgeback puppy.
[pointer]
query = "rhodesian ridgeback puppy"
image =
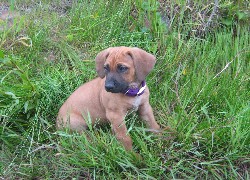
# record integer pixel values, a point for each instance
(119, 88)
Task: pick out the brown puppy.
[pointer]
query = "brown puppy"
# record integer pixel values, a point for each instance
(108, 98)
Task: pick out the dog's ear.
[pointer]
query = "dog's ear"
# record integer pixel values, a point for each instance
(143, 62)
(99, 62)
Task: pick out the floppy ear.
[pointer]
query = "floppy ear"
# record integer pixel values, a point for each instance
(99, 62)
(143, 62)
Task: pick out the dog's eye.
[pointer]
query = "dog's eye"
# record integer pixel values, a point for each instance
(122, 68)
(106, 68)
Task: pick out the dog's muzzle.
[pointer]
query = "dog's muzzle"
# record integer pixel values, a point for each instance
(114, 86)
(110, 86)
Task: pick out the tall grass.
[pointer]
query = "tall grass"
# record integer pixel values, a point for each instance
(199, 93)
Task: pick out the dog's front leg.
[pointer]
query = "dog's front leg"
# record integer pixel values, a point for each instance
(146, 113)
(119, 128)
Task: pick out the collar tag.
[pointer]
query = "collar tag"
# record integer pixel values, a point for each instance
(141, 91)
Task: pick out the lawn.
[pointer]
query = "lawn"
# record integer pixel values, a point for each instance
(200, 88)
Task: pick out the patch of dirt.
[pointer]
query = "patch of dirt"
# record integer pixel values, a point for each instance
(6, 16)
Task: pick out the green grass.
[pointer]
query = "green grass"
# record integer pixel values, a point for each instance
(200, 92)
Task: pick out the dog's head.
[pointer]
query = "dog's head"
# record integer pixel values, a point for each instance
(123, 67)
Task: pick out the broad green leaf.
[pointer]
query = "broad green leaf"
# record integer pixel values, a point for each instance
(1, 54)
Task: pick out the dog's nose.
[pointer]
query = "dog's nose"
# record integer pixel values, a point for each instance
(109, 86)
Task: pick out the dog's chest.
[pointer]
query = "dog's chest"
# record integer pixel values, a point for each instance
(135, 103)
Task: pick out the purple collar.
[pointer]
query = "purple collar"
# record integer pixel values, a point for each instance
(137, 91)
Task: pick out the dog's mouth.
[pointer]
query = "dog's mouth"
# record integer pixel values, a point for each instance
(115, 91)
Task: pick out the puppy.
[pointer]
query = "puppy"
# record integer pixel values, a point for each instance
(119, 88)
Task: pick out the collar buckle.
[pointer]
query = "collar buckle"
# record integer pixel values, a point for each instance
(137, 91)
